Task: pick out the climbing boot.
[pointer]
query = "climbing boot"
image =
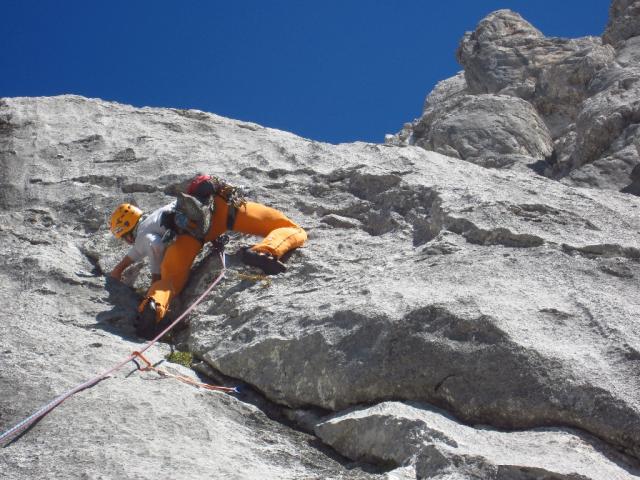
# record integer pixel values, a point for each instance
(266, 262)
(145, 323)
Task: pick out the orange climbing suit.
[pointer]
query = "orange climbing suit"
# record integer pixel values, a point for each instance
(279, 233)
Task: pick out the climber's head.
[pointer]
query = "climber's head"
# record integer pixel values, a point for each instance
(124, 220)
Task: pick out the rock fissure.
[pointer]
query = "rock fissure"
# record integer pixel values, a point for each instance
(441, 382)
(604, 251)
(316, 422)
(488, 357)
(496, 236)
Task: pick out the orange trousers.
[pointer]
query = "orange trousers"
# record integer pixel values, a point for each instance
(279, 233)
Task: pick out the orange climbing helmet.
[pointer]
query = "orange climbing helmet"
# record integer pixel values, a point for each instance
(124, 219)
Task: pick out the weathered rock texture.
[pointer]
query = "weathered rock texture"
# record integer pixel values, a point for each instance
(483, 128)
(577, 101)
(624, 21)
(414, 434)
(64, 164)
(504, 297)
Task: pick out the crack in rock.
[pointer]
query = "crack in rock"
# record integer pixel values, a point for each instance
(495, 236)
(604, 251)
(392, 434)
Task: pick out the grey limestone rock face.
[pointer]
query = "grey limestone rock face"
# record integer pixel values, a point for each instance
(66, 163)
(444, 91)
(605, 131)
(488, 130)
(634, 186)
(436, 446)
(504, 297)
(477, 127)
(496, 55)
(507, 55)
(583, 90)
(624, 21)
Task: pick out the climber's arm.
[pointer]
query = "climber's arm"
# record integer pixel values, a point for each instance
(121, 267)
(140, 249)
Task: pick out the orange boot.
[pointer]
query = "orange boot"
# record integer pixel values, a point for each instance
(280, 233)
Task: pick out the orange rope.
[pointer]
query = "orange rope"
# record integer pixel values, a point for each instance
(149, 367)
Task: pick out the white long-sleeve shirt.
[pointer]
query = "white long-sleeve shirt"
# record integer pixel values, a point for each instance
(148, 241)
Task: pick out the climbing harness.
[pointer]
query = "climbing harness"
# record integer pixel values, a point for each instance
(194, 210)
(22, 426)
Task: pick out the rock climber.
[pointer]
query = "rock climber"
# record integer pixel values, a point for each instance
(171, 237)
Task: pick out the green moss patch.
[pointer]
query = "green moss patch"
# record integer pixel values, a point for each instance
(183, 358)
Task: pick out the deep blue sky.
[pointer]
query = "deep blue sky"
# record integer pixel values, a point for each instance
(330, 70)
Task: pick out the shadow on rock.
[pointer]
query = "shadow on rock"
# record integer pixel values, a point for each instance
(632, 188)
(119, 320)
(300, 421)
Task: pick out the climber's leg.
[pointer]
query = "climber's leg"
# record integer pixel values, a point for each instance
(174, 273)
(280, 233)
